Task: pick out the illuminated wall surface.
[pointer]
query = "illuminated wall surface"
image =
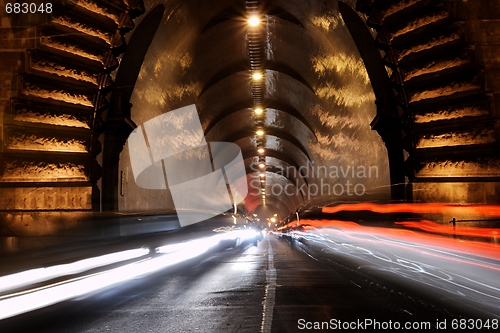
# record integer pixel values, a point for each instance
(325, 119)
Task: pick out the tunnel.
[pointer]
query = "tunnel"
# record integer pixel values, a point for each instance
(356, 101)
(367, 110)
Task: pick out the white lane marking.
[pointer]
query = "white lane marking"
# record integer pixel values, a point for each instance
(269, 297)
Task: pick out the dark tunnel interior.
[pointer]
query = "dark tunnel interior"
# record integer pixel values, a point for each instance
(121, 118)
(355, 101)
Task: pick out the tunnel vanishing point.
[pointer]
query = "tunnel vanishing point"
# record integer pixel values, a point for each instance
(368, 100)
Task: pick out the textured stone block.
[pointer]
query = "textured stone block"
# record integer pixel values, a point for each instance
(21, 39)
(46, 224)
(493, 80)
(24, 170)
(488, 55)
(485, 31)
(11, 61)
(34, 113)
(457, 192)
(29, 139)
(477, 9)
(472, 137)
(482, 167)
(46, 198)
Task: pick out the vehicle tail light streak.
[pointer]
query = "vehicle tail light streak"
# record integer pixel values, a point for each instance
(429, 226)
(456, 274)
(423, 208)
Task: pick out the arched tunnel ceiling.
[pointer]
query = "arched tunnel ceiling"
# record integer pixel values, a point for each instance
(315, 94)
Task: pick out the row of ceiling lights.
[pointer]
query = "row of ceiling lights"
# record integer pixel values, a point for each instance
(257, 77)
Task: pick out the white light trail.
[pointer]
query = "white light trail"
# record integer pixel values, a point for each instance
(36, 275)
(462, 272)
(30, 300)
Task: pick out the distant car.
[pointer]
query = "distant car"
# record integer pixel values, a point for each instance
(258, 237)
(238, 236)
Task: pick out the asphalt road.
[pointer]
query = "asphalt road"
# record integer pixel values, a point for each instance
(274, 287)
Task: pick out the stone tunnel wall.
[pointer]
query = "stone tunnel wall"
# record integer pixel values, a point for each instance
(444, 64)
(55, 73)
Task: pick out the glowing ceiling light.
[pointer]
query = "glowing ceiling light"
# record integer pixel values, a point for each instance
(262, 181)
(260, 132)
(257, 76)
(262, 165)
(253, 21)
(258, 111)
(262, 175)
(260, 150)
